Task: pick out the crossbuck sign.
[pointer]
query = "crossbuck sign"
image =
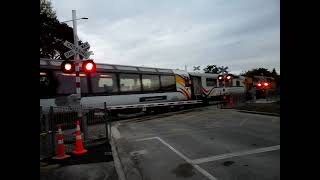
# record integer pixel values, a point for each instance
(77, 49)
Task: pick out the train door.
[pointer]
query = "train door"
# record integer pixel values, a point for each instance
(196, 87)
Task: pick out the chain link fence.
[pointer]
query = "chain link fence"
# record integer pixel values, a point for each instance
(94, 127)
(233, 101)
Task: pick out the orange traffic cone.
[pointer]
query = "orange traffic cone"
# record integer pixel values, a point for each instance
(60, 147)
(78, 145)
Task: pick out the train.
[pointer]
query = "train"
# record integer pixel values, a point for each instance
(123, 86)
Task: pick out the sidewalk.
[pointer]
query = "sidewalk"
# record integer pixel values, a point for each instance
(93, 165)
(150, 160)
(93, 171)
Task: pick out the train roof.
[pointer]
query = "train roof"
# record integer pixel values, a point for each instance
(209, 75)
(204, 74)
(55, 64)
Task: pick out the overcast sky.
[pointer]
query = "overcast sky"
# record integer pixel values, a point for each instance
(240, 34)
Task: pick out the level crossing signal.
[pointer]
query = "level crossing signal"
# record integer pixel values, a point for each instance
(225, 77)
(88, 66)
(67, 66)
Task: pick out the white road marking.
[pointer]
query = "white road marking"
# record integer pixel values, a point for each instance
(174, 150)
(235, 154)
(115, 132)
(195, 115)
(202, 171)
(242, 122)
(144, 139)
(140, 152)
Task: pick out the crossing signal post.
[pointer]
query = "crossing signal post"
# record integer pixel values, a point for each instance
(69, 67)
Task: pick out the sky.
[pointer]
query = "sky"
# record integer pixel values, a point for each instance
(240, 34)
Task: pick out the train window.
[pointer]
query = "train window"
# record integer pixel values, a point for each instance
(211, 82)
(237, 83)
(150, 82)
(168, 83)
(228, 84)
(104, 83)
(129, 82)
(67, 82)
(45, 86)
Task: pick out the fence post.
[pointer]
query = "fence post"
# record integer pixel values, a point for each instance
(106, 115)
(40, 111)
(52, 132)
(41, 120)
(84, 122)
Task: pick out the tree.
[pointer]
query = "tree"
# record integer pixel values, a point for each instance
(214, 69)
(274, 72)
(53, 33)
(264, 72)
(257, 72)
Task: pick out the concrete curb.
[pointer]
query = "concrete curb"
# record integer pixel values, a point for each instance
(116, 159)
(125, 164)
(257, 112)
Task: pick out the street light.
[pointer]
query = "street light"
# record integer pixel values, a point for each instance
(75, 19)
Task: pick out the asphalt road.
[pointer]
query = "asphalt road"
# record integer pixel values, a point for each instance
(205, 143)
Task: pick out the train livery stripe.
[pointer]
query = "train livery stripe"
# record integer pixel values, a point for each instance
(185, 93)
(181, 86)
(180, 79)
(205, 90)
(210, 91)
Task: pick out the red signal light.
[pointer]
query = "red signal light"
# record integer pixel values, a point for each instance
(259, 84)
(89, 66)
(220, 78)
(228, 77)
(67, 66)
(266, 84)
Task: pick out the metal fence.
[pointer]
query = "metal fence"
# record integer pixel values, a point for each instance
(233, 101)
(94, 127)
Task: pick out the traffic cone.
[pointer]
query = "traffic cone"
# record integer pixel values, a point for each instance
(60, 147)
(78, 145)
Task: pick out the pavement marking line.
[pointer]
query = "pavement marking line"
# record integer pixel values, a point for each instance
(174, 150)
(201, 170)
(235, 154)
(204, 172)
(195, 115)
(242, 122)
(115, 132)
(140, 152)
(144, 139)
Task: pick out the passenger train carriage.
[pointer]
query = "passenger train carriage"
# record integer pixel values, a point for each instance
(120, 86)
(207, 85)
